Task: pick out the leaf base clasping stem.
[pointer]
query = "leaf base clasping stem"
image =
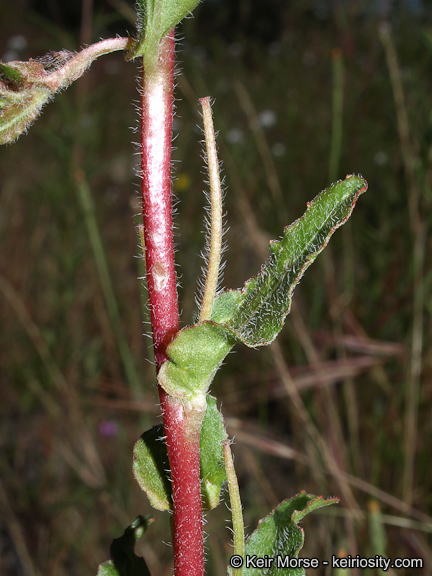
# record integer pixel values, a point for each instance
(182, 437)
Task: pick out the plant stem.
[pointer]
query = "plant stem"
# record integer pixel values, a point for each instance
(236, 507)
(156, 130)
(180, 424)
(216, 232)
(78, 63)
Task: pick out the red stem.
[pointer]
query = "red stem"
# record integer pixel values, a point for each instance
(182, 438)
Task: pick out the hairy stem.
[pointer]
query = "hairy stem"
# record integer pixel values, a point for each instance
(156, 129)
(236, 507)
(215, 243)
(181, 430)
(78, 63)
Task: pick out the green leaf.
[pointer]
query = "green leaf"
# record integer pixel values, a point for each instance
(156, 18)
(279, 535)
(124, 561)
(195, 355)
(150, 468)
(21, 98)
(213, 474)
(26, 86)
(151, 463)
(255, 314)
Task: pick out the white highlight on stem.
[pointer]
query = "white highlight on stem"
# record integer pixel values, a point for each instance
(236, 507)
(216, 213)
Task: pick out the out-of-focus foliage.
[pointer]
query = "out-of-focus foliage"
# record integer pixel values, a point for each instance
(68, 419)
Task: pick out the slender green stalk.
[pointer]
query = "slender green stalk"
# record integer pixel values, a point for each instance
(418, 231)
(377, 533)
(215, 242)
(236, 507)
(337, 107)
(263, 147)
(86, 200)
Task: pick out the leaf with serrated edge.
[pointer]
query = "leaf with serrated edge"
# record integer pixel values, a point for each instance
(151, 463)
(255, 314)
(124, 561)
(279, 534)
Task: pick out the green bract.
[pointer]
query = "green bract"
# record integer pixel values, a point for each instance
(156, 19)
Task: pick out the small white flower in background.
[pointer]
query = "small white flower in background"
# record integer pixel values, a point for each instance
(381, 158)
(234, 136)
(278, 149)
(14, 45)
(17, 42)
(235, 49)
(267, 118)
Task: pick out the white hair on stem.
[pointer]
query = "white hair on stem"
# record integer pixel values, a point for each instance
(216, 217)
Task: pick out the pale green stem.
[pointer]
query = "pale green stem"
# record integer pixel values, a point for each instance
(236, 507)
(215, 247)
(87, 205)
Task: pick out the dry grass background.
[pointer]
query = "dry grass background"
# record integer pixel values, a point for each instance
(341, 404)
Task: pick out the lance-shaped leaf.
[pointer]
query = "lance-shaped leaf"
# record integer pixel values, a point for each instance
(155, 20)
(151, 464)
(255, 314)
(26, 86)
(124, 561)
(279, 537)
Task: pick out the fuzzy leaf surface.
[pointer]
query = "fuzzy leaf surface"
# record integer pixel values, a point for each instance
(151, 464)
(21, 97)
(212, 464)
(124, 561)
(279, 534)
(195, 356)
(156, 18)
(256, 313)
(26, 86)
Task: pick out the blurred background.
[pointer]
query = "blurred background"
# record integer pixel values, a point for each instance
(304, 93)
